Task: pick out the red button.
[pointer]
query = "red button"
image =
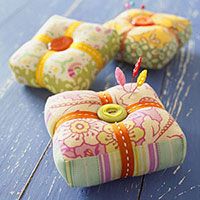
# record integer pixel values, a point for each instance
(60, 44)
(142, 21)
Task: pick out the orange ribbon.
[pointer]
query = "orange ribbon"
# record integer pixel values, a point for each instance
(119, 129)
(136, 106)
(105, 98)
(75, 115)
(125, 148)
(47, 40)
(62, 43)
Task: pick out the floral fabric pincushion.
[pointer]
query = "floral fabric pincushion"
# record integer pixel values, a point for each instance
(89, 149)
(154, 36)
(64, 55)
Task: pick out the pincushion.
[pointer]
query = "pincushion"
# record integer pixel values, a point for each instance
(64, 55)
(154, 36)
(89, 149)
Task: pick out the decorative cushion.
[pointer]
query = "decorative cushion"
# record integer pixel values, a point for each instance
(64, 55)
(154, 36)
(90, 149)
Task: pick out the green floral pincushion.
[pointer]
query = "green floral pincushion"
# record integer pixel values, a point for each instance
(64, 55)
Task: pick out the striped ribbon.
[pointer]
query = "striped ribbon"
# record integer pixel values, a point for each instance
(70, 30)
(136, 106)
(105, 98)
(125, 148)
(40, 68)
(75, 115)
(43, 38)
(95, 54)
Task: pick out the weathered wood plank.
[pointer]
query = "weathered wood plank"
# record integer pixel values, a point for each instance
(26, 137)
(181, 97)
(19, 28)
(8, 10)
(22, 128)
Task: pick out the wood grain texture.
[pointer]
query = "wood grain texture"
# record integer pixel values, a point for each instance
(8, 11)
(22, 127)
(19, 28)
(181, 95)
(27, 168)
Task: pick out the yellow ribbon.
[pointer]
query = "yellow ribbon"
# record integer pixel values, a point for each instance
(40, 68)
(95, 54)
(43, 38)
(46, 40)
(70, 30)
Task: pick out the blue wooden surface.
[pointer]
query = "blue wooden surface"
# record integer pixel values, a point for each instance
(27, 169)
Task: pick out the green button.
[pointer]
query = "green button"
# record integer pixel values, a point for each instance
(112, 113)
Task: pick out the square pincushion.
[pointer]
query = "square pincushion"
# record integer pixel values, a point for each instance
(154, 36)
(103, 136)
(65, 54)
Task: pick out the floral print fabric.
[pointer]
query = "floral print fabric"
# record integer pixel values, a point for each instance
(156, 37)
(87, 151)
(84, 137)
(70, 69)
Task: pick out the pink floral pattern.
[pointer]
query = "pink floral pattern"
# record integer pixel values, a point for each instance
(78, 138)
(83, 137)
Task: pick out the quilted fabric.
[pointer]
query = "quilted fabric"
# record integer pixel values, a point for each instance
(154, 36)
(89, 151)
(70, 69)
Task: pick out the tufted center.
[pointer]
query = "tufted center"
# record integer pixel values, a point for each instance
(142, 21)
(60, 44)
(112, 113)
